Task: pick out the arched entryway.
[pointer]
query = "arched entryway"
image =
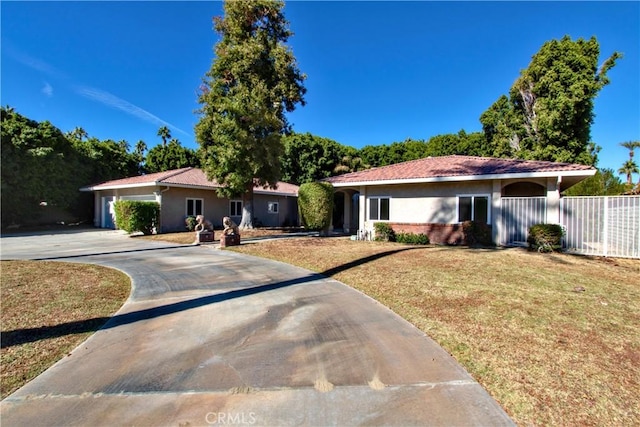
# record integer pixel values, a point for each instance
(523, 204)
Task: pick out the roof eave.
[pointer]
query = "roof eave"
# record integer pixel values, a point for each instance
(120, 186)
(549, 174)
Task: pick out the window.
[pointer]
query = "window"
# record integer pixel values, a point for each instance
(235, 208)
(379, 208)
(474, 208)
(272, 207)
(194, 207)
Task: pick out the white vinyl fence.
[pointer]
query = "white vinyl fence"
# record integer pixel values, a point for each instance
(605, 226)
(601, 226)
(518, 214)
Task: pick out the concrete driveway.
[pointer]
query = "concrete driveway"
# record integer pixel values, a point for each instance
(211, 337)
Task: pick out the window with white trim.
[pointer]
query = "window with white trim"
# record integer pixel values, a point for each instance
(474, 208)
(235, 208)
(273, 207)
(379, 209)
(195, 207)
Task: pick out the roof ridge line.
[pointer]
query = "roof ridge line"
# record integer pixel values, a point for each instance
(176, 172)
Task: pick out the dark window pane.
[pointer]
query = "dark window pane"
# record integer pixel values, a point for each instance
(190, 207)
(384, 209)
(373, 209)
(481, 209)
(464, 209)
(198, 209)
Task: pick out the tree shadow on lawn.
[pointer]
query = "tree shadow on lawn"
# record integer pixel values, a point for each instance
(22, 336)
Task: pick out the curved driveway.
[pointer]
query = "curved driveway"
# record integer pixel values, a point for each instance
(212, 337)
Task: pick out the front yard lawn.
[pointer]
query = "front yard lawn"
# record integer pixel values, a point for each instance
(48, 308)
(554, 338)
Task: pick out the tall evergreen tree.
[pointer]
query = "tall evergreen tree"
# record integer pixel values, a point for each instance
(253, 81)
(549, 111)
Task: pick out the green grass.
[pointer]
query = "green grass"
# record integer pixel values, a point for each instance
(49, 308)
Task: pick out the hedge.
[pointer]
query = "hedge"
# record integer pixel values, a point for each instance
(315, 203)
(545, 237)
(133, 216)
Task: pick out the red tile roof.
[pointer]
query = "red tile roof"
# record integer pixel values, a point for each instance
(185, 177)
(458, 167)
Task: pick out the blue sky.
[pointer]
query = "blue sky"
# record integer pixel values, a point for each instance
(378, 72)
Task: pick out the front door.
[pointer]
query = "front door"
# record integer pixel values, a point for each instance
(108, 213)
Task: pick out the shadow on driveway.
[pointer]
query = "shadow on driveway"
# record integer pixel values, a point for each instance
(22, 336)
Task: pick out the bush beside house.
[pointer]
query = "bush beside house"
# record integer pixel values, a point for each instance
(545, 237)
(133, 216)
(315, 203)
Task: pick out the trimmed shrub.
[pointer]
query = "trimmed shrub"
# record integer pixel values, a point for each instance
(477, 233)
(545, 237)
(190, 222)
(384, 232)
(315, 204)
(412, 238)
(133, 215)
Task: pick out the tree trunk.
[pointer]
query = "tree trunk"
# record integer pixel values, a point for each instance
(247, 211)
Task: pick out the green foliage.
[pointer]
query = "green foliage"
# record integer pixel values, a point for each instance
(462, 143)
(190, 222)
(133, 215)
(315, 203)
(384, 232)
(477, 233)
(549, 111)
(253, 82)
(39, 164)
(412, 238)
(170, 156)
(545, 237)
(309, 158)
(603, 183)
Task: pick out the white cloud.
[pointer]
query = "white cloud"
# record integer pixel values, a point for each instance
(47, 90)
(94, 94)
(113, 101)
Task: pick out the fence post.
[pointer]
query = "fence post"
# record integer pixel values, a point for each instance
(605, 236)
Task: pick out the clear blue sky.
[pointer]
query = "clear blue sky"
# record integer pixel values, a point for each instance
(378, 72)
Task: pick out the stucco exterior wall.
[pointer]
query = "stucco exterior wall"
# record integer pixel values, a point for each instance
(425, 203)
(287, 210)
(174, 207)
(173, 201)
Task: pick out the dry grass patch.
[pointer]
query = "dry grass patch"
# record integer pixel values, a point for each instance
(554, 338)
(188, 237)
(48, 308)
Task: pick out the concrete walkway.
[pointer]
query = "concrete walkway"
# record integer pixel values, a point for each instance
(211, 337)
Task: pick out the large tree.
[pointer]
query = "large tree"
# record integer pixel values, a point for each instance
(253, 81)
(170, 156)
(549, 111)
(308, 158)
(603, 183)
(40, 167)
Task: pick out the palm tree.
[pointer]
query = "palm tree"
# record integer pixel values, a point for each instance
(629, 168)
(165, 134)
(631, 145)
(78, 133)
(141, 147)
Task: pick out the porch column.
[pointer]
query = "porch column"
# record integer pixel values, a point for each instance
(496, 212)
(553, 200)
(362, 207)
(347, 212)
(97, 209)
